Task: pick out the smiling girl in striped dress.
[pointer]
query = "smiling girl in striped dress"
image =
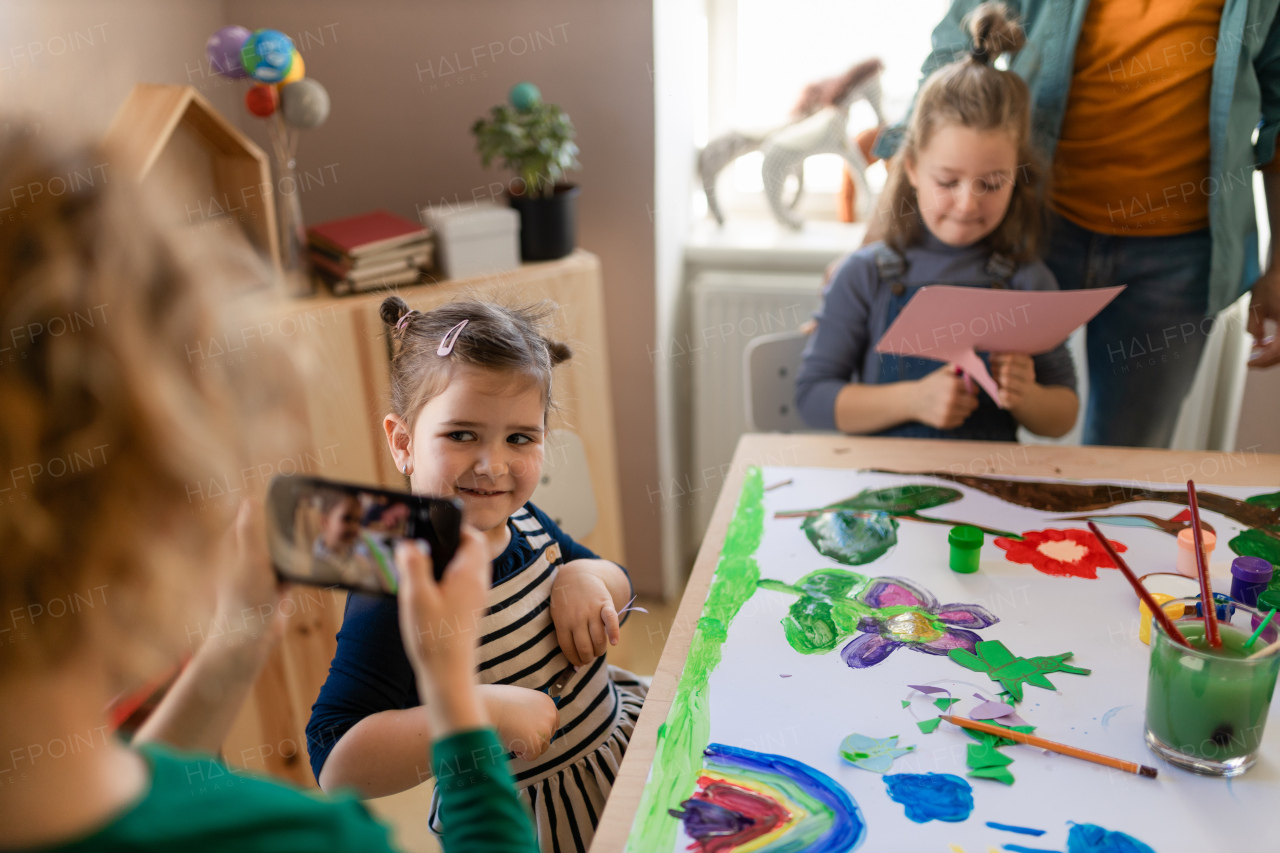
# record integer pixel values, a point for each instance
(471, 389)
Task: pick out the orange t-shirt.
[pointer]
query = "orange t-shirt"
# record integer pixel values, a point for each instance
(1133, 154)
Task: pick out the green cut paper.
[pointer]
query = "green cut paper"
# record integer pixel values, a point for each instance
(944, 703)
(906, 703)
(1010, 670)
(927, 726)
(986, 755)
(999, 774)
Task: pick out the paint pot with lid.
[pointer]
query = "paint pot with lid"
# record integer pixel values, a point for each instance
(1186, 563)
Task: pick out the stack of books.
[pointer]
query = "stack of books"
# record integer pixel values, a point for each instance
(369, 251)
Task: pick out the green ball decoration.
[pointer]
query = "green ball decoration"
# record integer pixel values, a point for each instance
(524, 97)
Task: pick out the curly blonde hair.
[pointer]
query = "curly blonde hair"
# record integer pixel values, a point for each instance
(973, 93)
(108, 421)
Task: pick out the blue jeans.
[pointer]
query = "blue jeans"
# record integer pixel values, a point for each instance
(1144, 347)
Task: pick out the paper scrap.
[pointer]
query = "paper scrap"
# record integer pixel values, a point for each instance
(925, 688)
(987, 755)
(906, 703)
(874, 754)
(999, 774)
(990, 711)
(927, 726)
(944, 704)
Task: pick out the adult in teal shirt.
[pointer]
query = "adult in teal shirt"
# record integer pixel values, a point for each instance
(1144, 348)
(109, 570)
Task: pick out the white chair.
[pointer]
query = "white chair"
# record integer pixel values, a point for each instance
(770, 364)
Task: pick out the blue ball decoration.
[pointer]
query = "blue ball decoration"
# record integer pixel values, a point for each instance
(524, 96)
(267, 55)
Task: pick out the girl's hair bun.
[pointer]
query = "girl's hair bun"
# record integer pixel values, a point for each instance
(558, 351)
(995, 31)
(393, 308)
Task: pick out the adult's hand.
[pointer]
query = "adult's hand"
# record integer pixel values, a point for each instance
(438, 624)
(1264, 304)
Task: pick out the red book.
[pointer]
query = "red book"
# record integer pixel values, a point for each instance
(365, 234)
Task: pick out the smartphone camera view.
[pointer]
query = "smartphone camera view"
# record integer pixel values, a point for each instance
(332, 534)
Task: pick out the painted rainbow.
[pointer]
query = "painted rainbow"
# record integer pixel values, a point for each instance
(755, 802)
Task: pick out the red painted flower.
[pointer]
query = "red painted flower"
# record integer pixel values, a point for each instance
(1061, 553)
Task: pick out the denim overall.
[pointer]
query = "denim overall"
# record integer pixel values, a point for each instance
(988, 422)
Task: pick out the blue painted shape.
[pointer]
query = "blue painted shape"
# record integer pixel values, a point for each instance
(1018, 848)
(1088, 838)
(849, 828)
(931, 796)
(1022, 830)
(1106, 718)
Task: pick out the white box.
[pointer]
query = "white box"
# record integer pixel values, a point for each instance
(474, 240)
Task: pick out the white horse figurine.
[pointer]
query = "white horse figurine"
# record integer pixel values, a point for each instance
(819, 125)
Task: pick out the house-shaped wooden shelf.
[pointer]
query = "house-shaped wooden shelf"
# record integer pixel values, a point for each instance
(209, 173)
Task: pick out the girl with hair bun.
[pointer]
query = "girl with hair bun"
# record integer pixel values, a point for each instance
(964, 208)
(471, 387)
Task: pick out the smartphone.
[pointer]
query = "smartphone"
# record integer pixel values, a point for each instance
(325, 533)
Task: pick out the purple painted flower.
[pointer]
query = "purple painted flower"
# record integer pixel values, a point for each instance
(907, 615)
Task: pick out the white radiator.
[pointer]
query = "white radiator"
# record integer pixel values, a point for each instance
(728, 309)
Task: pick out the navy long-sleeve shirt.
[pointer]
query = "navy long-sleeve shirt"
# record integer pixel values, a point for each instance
(371, 672)
(855, 315)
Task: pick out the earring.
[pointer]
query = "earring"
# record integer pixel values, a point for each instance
(405, 469)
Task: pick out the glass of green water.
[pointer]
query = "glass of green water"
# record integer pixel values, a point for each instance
(1206, 710)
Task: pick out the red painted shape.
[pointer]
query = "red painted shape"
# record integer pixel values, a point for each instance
(766, 814)
(1085, 566)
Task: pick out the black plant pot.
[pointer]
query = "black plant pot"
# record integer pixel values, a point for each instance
(548, 226)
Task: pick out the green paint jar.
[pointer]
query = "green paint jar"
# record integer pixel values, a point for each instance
(1206, 710)
(966, 546)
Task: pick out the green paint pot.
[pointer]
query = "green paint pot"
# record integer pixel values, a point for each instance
(966, 545)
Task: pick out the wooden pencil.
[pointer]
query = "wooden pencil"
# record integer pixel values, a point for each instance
(1207, 604)
(1061, 748)
(1157, 612)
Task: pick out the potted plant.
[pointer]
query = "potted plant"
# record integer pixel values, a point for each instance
(534, 139)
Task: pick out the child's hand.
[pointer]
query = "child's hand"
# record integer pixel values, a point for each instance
(526, 719)
(1015, 373)
(583, 611)
(942, 401)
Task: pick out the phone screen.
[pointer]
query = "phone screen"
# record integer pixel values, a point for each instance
(326, 533)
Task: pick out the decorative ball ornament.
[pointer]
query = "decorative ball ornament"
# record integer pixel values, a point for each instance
(524, 97)
(297, 70)
(261, 100)
(267, 55)
(304, 104)
(223, 49)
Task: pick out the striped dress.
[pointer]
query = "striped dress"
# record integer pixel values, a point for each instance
(566, 787)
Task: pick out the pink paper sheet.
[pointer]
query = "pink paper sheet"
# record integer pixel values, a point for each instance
(950, 323)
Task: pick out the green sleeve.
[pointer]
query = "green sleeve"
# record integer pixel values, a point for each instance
(479, 809)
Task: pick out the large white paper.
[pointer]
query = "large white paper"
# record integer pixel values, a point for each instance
(805, 716)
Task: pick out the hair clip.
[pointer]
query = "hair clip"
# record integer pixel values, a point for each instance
(450, 338)
(404, 321)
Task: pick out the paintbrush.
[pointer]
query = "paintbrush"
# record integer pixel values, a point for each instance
(1265, 653)
(1157, 612)
(1061, 748)
(1207, 603)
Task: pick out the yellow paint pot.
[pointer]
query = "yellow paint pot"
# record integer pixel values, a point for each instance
(1174, 611)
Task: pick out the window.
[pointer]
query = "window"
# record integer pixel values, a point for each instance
(762, 53)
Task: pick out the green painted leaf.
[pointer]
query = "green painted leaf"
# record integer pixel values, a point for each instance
(1255, 543)
(899, 499)
(1270, 501)
(809, 627)
(851, 539)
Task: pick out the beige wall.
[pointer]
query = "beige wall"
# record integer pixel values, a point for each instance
(398, 134)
